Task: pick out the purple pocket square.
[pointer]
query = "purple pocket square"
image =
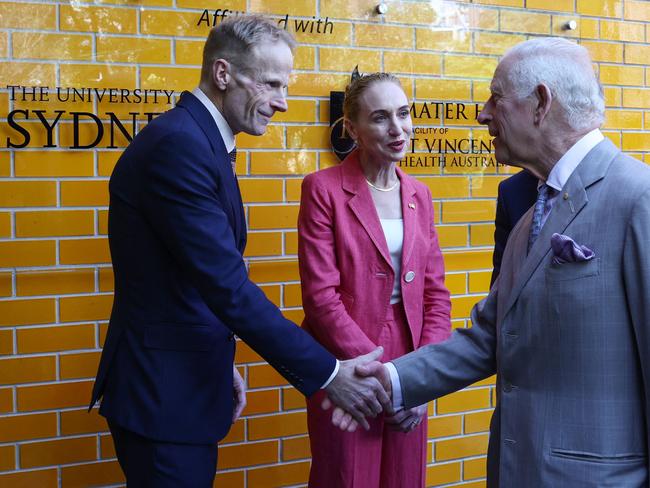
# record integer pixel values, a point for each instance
(566, 250)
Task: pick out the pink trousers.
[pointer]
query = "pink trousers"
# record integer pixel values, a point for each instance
(378, 458)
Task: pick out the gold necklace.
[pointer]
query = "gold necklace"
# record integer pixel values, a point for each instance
(383, 189)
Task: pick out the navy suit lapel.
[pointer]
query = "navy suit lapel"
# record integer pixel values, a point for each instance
(234, 209)
(240, 221)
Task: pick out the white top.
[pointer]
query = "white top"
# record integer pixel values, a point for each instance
(394, 233)
(224, 129)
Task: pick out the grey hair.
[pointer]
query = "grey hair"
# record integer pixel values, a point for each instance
(234, 39)
(565, 67)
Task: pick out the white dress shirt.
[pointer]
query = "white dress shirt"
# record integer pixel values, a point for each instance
(224, 129)
(229, 141)
(557, 178)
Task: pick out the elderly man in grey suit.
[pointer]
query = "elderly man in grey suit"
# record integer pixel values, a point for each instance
(566, 327)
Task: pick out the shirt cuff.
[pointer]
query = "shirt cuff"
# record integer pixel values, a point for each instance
(334, 373)
(398, 402)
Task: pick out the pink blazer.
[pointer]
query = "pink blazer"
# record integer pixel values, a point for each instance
(345, 267)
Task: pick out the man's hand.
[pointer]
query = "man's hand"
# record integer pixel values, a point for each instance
(358, 397)
(239, 393)
(407, 419)
(342, 419)
(379, 371)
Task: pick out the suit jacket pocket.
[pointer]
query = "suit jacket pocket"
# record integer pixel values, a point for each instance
(590, 457)
(180, 337)
(573, 271)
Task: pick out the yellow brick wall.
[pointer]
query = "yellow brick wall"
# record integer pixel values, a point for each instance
(55, 278)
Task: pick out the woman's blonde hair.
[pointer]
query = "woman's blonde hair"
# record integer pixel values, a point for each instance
(359, 85)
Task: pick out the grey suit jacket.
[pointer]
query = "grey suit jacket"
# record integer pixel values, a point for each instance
(570, 343)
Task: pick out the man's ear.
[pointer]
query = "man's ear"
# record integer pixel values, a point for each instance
(544, 100)
(221, 73)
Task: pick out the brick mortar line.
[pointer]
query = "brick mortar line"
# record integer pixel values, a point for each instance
(71, 436)
(58, 354)
(72, 295)
(49, 467)
(62, 267)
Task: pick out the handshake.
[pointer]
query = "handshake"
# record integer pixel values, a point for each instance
(362, 388)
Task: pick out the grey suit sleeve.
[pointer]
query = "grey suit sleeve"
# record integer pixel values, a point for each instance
(636, 274)
(466, 357)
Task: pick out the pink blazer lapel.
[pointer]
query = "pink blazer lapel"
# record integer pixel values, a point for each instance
(361, 204)
(409, 214)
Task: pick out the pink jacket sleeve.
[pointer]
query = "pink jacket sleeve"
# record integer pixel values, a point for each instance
(325, 314)
(436, 326)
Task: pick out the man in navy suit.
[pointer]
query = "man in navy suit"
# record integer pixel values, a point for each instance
(516, 195)
(177, 233)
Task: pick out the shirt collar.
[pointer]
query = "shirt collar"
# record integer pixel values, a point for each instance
(224, 129)
(563, 169)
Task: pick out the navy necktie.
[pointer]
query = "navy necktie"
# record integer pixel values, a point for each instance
(543, 193)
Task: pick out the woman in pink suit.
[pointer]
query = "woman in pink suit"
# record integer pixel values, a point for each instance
(372, 275)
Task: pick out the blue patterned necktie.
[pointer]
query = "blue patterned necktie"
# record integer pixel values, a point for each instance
(538, 213)
(233, 159)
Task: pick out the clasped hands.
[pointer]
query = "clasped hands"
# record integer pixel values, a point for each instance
(362, 388)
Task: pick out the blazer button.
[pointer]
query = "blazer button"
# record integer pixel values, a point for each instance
(410, 276)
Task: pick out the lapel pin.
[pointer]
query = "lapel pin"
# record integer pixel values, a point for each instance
(412, 205)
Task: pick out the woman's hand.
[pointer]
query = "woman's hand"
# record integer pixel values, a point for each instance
(408, 419)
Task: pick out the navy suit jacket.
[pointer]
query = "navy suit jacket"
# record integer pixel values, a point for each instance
(177, 233)
(516, 195)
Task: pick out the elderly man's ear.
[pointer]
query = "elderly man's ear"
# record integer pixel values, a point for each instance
(221, 73)
(544, 101)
